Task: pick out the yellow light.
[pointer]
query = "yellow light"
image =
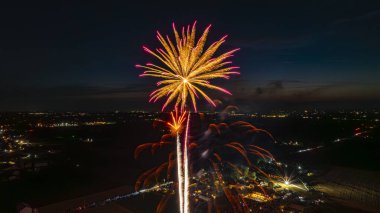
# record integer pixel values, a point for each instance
(187, 66)
(176, 121)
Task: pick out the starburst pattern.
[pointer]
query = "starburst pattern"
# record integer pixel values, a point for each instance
(177, 120)
(187, 67)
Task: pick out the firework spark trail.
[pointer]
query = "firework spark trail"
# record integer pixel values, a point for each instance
(186, 168)
(187, 67)
(180, 172)
(176, 127)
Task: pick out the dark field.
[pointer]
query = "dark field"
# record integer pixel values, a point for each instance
(85, 168)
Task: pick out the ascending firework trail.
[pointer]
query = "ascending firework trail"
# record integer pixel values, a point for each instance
(185, 70)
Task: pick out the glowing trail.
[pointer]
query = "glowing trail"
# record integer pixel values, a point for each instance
(176, 128)
(186, 168)
(180, 172)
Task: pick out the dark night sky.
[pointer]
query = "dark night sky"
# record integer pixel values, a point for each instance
(72, 55)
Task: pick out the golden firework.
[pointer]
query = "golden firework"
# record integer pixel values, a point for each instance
(176, 121)
(187, 67)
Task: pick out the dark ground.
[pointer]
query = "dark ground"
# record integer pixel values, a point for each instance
(109, 162)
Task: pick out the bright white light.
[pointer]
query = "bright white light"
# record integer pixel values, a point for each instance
(184, 80)
(186, 197)
(180, 173)
(204, 154)
(286, 182)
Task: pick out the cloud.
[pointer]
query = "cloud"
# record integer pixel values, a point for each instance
(281, 42)
(273, 87)
(293, 94)
(70, 91)
(299, 91)
(365, 16)
(72, 98)
(274, 93)
(273, 43)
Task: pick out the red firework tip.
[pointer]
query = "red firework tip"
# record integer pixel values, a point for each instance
(149, 64)
(195, 22)
(208, 27)
(195, 108)
(226, 91)
(224, 37)
(163, 107)
(137, 65)
(146, 49)
(141, 75)
(214, 43)
(174, 27)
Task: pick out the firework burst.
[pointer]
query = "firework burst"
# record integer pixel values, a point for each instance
(187, 67)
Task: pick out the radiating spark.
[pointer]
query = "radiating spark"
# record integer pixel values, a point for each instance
(187, 67)
(176, 121)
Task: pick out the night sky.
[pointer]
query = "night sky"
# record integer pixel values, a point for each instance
(77, 56)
